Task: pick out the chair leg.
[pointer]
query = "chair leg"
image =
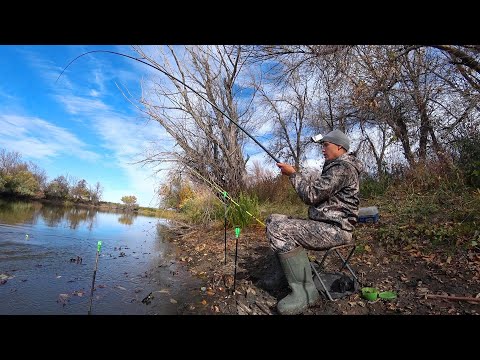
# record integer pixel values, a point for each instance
(321, 282)
(344, 264)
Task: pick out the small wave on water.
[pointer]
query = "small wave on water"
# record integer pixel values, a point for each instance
(48, 260)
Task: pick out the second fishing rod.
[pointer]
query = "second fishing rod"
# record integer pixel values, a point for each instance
(226, 195)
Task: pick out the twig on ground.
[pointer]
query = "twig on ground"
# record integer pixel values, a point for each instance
(452, 298)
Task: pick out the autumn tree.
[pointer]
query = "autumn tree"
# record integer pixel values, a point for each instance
(58, 188)
(80, 191)
(15, 175)
(130, 201)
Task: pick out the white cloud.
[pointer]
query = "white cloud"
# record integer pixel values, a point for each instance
(94, 93)
(127, 142)
(38, 139)
(264, 160)
(80, 105)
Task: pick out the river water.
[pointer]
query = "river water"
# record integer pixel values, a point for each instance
(47, 263)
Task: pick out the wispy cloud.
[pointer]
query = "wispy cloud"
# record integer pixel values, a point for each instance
(81, 105)
(127, 140)
(38, 139)
(46, 69)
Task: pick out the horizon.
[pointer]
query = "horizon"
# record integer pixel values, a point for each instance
(79, 124)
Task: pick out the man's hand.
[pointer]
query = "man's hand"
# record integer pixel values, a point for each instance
(286, 169)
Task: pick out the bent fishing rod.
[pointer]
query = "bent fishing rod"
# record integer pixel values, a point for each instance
(178, 80)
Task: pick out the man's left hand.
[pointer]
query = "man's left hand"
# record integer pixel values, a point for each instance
(286, 169)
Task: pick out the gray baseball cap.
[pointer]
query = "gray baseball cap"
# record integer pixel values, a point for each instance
(338, 138)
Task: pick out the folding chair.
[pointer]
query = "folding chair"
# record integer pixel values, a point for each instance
(324, 278)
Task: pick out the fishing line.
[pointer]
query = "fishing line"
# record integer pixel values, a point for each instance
(225, 194)
(181, 82)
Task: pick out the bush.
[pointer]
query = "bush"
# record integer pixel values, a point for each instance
(239, 215)
(371, 187)
(202, 208)
(468, 158)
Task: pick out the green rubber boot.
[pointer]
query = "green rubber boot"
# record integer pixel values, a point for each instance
(298, 272)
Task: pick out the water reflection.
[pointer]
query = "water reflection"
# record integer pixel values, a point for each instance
(38, 276)
(127, 218)
(18, 212)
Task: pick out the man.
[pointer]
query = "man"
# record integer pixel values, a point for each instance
(333, 211)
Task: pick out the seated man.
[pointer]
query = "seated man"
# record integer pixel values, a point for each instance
(333, 211)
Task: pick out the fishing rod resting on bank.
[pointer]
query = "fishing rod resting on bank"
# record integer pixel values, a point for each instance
(99, 246)
(225, 224)
(225, 194)
(237, 228)
(181, 82)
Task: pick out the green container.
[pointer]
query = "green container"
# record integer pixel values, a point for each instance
(387, 295)
(370, 293)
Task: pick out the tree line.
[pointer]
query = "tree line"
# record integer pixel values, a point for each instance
(26, 179)
(403, 105)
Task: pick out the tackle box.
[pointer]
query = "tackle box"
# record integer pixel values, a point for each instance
(368, 214)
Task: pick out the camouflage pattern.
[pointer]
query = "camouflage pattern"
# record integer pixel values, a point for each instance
(333, 200)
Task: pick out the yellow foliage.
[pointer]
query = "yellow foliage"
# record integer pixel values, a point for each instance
(185, 193)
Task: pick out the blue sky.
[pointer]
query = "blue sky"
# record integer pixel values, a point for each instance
(81, 125)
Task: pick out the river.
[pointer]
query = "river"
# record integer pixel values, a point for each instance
(48, 256)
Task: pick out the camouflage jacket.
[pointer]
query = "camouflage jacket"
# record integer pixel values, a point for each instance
(333, 197)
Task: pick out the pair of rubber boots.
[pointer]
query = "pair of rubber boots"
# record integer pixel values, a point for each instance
(298, 272)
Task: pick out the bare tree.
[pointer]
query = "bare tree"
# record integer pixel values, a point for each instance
(9, 161)
(207, 141)
(289, 110)
(96, 192)
(464, 58)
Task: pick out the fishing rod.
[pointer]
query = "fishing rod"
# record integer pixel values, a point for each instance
(225, 194)
(99, 245)
(225, 224)
(181, 82)
(237, 234)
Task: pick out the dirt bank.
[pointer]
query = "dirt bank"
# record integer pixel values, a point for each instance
(413, 272)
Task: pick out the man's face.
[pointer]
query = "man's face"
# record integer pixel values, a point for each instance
(331, 151)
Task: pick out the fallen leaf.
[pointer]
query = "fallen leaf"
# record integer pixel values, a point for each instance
(162, 291)
(173, 301)
(251, 291)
